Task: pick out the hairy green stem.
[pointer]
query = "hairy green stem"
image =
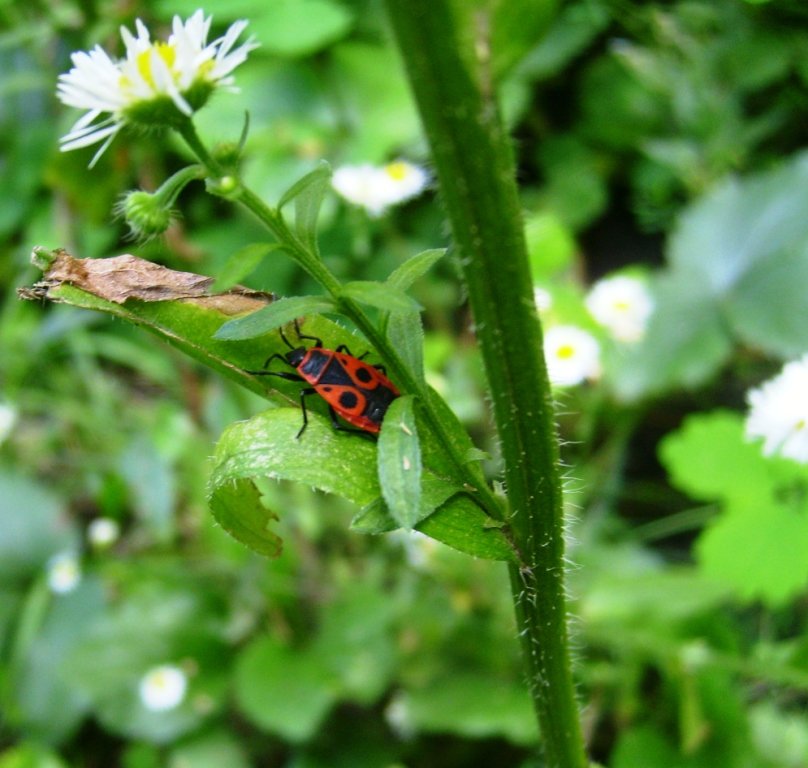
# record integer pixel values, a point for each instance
(273, 220)
(475, 171)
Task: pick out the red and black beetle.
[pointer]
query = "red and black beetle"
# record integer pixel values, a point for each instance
(355, 390)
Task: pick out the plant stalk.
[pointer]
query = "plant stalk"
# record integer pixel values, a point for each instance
(475, 170)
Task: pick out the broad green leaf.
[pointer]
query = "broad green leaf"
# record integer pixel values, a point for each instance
(416, 266)
(406, 334)
(210, 749)
(434, 492)
(273, 316)
(769, 305)
(709, 458)
(380, 295)
(476, 705)
(399, 462)
(356, 641)
(758, 550)
(282, 689)
(34, 527)
(296, 28)
(267, 446)
(47, 706)
(741, 223)
(462, 525)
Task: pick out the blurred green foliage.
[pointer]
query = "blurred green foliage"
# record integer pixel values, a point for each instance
(656, 137)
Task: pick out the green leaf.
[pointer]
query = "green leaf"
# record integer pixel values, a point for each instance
(434, 492)
(379, 295)
(399, 462)
(757, 544)
(242, 263)
(405, 332)
(273, 316)
(709, 458)
(311, 182)
(356, 641)
(769, 304)
(282, 689)
(416, 266)
(267, 446)
(296, 28)
(34, 527)
(474, 705)
(308, 194)
(759, 550)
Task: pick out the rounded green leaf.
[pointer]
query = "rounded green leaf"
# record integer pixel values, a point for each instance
(267, 446)
(282, 689)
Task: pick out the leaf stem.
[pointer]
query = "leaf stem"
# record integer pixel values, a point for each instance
(472, 157)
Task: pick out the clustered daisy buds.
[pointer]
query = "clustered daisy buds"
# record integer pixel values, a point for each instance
(778, 412)
(572, 355)
(622, 305)
(376, 188)
(157, 84)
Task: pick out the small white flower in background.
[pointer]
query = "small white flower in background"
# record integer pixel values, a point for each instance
(543, 298)
(376, 188)
(63, 572)
(572, 355)
(778, 412)
(8, 418)
(103, 531)
(163, 688)
(622, 305)
(156, 82)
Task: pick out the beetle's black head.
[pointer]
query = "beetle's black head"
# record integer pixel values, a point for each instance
(295, 356)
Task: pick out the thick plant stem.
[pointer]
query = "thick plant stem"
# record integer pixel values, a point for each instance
(475, 170)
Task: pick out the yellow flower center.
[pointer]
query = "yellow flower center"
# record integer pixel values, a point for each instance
(565, 352)
(165, 51)
(621, 305)
(397, 171)
(800, 425)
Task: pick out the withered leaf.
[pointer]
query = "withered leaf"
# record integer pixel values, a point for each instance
(120, 278)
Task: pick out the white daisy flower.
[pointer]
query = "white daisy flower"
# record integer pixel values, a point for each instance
(103, 531)
(63, 573)
(163, 688)
(156, 83)
(778, 412)
(572, 355)
(8, 418)
(622, 305)
(377, 188)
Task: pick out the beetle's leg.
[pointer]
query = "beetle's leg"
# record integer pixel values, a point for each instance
(304, 393)
(279, 374)
(317, 342)
(344, 348)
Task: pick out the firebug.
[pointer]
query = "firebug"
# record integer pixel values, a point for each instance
(357, 391)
